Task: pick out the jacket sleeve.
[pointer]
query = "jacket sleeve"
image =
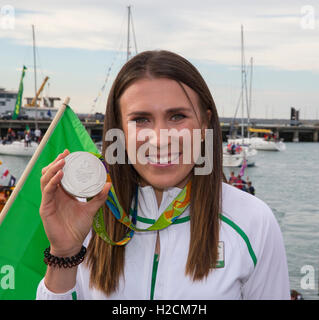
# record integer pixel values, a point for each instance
(43, 293)
(270, 279)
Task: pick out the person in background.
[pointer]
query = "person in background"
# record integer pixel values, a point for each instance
(232, 178)
(12, 134)
(37, 133)
(27, 138)
(9, 135)
(240, 183)
(233, 149)
(238, 148)
(295, 295)
(250, 189)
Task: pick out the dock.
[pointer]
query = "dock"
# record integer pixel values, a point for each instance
(304, 131)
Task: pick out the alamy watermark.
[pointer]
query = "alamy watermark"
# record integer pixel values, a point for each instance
(170, 147)
(7, 17)
(308, 280)
(7, 277)
(308, 17)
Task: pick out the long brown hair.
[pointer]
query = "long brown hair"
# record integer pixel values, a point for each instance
(106, 262)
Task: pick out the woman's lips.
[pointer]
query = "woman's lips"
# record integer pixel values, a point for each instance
(163, 161)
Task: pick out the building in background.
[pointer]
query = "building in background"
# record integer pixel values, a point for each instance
(7, 100)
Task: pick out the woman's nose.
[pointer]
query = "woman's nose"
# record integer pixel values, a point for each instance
(160, 136)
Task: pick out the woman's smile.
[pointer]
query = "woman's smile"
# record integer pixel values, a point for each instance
(167, 160)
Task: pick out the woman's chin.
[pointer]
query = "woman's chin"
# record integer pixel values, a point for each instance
(159, 185)
(166, 180)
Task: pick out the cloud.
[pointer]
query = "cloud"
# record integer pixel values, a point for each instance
(208, 30)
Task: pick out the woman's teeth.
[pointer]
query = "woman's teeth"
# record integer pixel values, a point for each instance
(163, 159)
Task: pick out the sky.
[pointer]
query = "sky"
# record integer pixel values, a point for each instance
(81, 45)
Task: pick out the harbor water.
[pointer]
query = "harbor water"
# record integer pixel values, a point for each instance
(289, 183)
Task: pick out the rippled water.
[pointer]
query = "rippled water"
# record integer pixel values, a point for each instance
(289, 183)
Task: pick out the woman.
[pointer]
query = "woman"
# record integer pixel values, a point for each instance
(226, 244)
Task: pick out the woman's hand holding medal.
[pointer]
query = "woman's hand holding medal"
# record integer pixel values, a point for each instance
(67, 221)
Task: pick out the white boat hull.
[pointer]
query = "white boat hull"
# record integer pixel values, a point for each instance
(232, 160)
(269, 146)
(18, 148)
(260, 144)
(236, 160)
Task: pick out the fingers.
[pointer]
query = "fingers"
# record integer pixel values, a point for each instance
(52, 185)
(51, 172)
(59, 157)
(96, 203)
(49, 194)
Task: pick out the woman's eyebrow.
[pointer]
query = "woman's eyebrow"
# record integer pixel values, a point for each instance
(169, 110)
(139, 113)
(179, 109)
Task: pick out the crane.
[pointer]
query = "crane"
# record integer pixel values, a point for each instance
(33, 102)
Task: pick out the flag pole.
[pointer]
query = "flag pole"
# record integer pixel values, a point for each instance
(33, 160)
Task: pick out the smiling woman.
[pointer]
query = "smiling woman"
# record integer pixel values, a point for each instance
(160, 90)
(200, 237)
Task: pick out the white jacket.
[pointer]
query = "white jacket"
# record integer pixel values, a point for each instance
(252, 259)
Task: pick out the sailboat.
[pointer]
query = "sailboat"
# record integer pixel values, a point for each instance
(237, 151)
(269, 141)
(25, 148)
(237, 158)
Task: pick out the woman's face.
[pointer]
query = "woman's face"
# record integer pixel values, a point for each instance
(160, 104)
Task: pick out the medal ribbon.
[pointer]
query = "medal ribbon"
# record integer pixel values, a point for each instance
(172, 212)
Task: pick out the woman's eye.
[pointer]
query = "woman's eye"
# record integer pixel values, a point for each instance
(177, 117)
(140, 120)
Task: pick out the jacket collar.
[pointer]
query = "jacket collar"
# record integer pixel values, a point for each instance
(147, 203)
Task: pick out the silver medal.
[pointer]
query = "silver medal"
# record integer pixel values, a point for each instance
(84, 175)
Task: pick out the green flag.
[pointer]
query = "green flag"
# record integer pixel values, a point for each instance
(22, 237)
(17, 107)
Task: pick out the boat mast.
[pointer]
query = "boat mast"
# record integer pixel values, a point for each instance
(128, 32)
(35, 77)
(250, 85)
(246, 96)
(242, 82)
(129, 25)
